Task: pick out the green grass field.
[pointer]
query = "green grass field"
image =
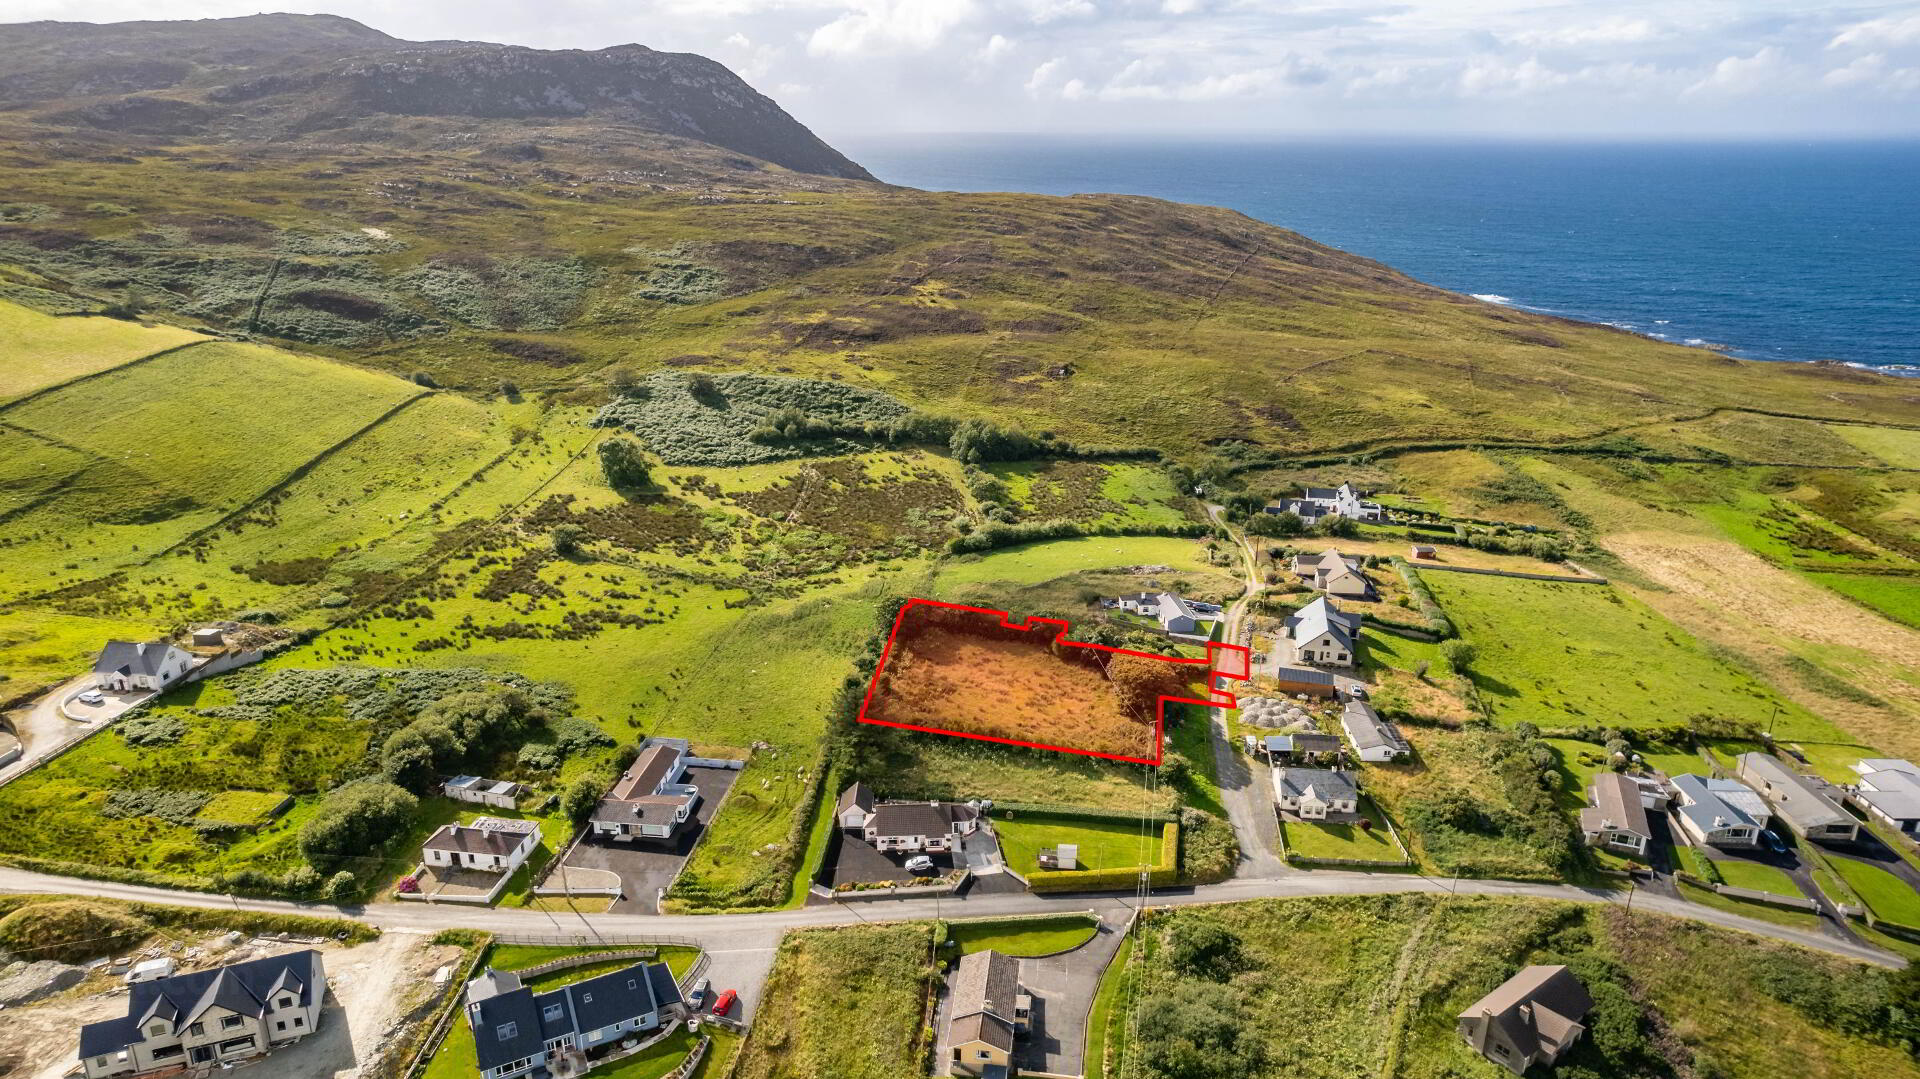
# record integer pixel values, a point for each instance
(1022, 936)
(1609, 661)
(1033, 563)
(1344, 841)
(37, 350)
(1889, 897)
(1103, 844)
(1896, 597)
(827, 982)
(1753, 875)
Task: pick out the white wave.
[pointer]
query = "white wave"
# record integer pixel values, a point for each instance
(1491, 297)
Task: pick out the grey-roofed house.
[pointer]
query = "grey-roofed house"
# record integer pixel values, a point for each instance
(1315, 793)
(1616, 815)
(919, 826)
(1532, 1018)
(516, 1031)
(1312, 745)
(498, 793)
(129, 667)
(1801, 803)
(650, 800)
(1174, 612)
(489, 844)
(209, 1018)
(1323, 634)
(1718, 812)
(987, 1010)
(1889, 789)
(1374, 739)
(1335, 574)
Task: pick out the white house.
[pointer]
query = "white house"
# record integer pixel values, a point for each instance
(1315, 793)
(1889, 789)
(1374, 739)
(568, 1029)
(497, 793)
(209, 1019)
(126, 667)
(1174, 612)
(651, 800)
(934, 827)
(1335, 574)
(1323, 634)
(1616, 815)
(489, 844)
(1718, 812)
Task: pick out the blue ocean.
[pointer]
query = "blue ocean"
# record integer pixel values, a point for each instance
(1773, 251)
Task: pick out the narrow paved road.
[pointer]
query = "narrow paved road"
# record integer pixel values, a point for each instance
(1248, 804)
(732, 932)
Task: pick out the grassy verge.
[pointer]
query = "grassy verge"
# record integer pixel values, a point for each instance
(1106, 1008)
(1023, 936)
(1887, 896)
(1764, 912)
(827, 984)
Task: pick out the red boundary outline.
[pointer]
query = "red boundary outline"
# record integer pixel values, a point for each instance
(1215, 652)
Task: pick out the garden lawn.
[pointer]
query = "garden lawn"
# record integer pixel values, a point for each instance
(1323, 840)
(1023, 936)
(829, 984)
(1759, 878)
(1562, 655)
(1889, 897)
(920, 765)
(1103, 844)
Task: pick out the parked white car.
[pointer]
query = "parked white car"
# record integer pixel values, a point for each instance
(919, 863)
(92, 696)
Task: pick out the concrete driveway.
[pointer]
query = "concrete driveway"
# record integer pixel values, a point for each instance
(645, 868)
(43, 727)
(1063, 987)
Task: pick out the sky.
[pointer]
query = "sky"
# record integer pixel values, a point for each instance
(1684, 69)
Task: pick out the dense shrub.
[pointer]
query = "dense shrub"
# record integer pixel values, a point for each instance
(174, 807)
(686, 424)
(994, 536)
(1209, 853)
(354, 822)
(623, 464)
(455, 730)
(1195, 1031)
(1201, 947)
(70, 931)
(151, 730)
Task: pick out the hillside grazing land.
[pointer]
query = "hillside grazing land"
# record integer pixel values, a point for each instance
(41, 351)
(1565, 655)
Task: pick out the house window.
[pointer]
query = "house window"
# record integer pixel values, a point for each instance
(156, 1030)
(298, 1022)
(281, 1025)
(236, 1045)
(507, 1031)
(230, 1022)
(552, 1012)
(197, 1029)
(586, 998)
(286, 1002)
(984, 1055)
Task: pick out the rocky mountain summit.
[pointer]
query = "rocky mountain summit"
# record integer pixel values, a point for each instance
(279, 77)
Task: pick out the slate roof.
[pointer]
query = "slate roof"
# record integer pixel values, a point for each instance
(1705, 800)
(488, 835)
(1792, 795)
(647, 772)
(857, 796)
(981, 1027)
(1539, 1001)
(1315, 742)
(1303, 675)
(126, 657)
(918, 818)
(244, 988)
(1330, 786)
(986, 982)
(1320, 617)
(1366, 730)
(596, 1003)
(1894, 793)
(1279, 743)
(1616, 806)
(1885, 764)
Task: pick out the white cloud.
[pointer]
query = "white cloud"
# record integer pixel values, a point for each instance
(1741, 75)
(889, 26)
(1874, 73)
(1879, 33)
(996, 47)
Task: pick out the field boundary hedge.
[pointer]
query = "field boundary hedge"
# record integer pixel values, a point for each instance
(995, 536)
(1002, 810)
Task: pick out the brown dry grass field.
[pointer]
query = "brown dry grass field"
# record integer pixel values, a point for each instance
(944, 678)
